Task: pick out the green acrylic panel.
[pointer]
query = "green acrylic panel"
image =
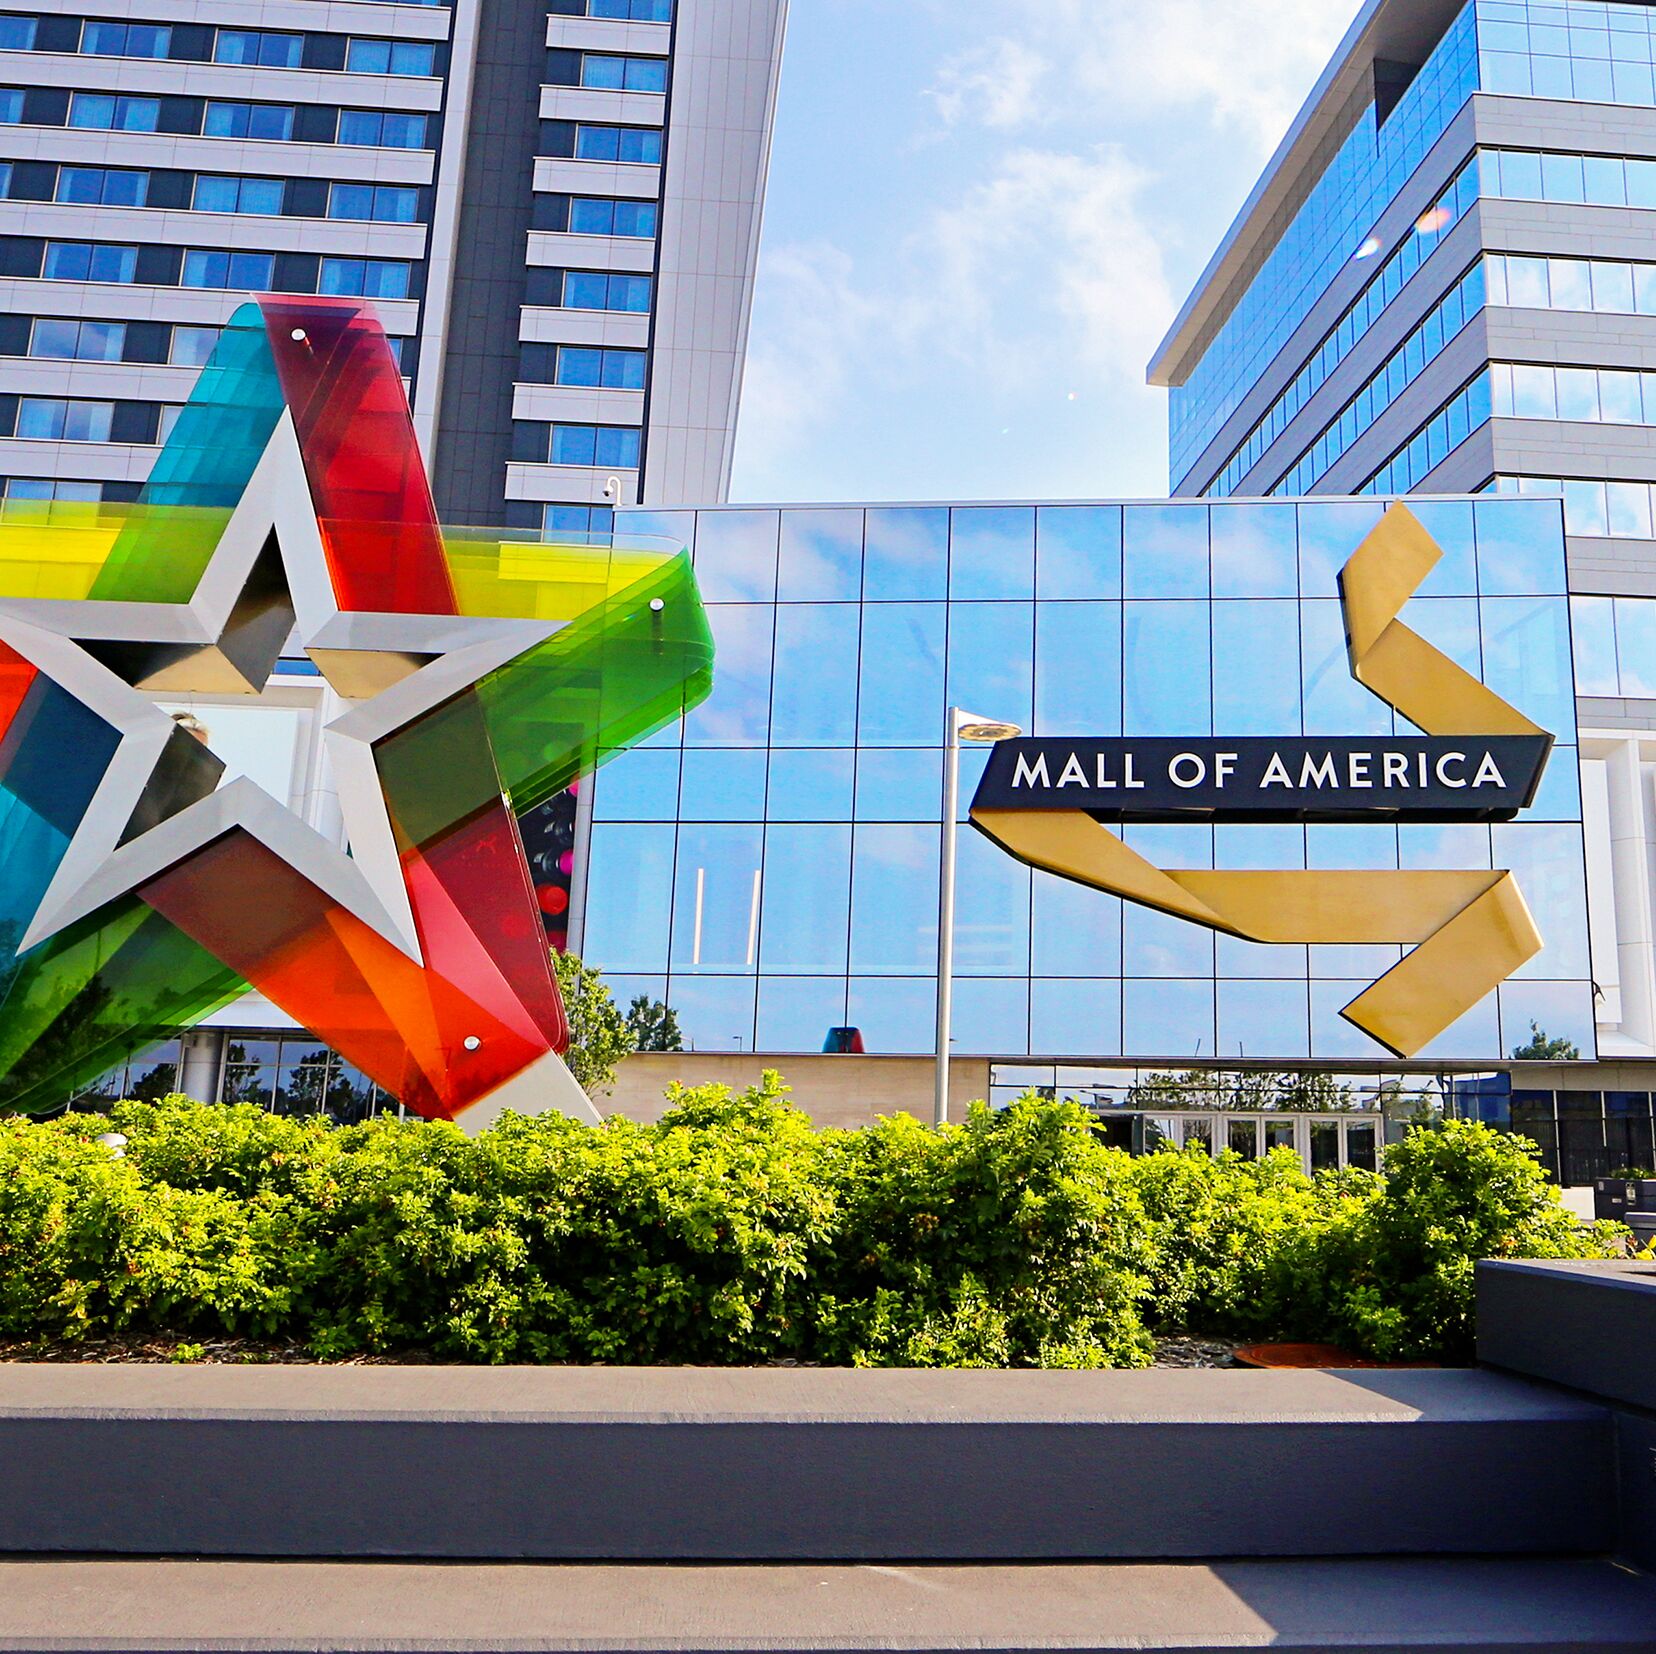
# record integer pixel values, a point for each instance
(97, 993)
(608, 680)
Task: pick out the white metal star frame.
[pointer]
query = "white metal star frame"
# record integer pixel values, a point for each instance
(159, 801)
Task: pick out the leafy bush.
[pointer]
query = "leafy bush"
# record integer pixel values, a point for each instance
(1234, 1243)
(1012, 1240)
(1405, 1259)
(732, 1232)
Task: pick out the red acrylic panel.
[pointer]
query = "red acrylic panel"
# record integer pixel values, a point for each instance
(474, 908)
(405, 1026)
(17, 677)
(367, 479)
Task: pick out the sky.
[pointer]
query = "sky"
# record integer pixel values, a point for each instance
(982, 216)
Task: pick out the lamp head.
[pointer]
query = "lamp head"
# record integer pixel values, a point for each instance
(988, 730)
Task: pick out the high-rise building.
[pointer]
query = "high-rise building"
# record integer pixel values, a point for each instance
(553, 203)
(1445, 282)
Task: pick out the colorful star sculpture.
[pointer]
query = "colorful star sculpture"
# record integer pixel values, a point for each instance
(485, 674)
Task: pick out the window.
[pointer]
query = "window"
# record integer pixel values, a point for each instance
(382, 129)
(1463, 413)
(125, 39)
(641, 144)
(624, 11)
(1593, 180)
(1599, 396)
(114, 114)
(77, 341)
(258, 46)
(619, 370)
(383, 203)
(593, 216)
(88, 261)
(234, 271)
(1620, 510)
(623, 74)
(598, 290)
(5, 178)
(17, 34)
(373, 278)
(260, 196)
(390, 57)
(55, 419)
(249, 120)
(577, 519)
(165, 422)
(191, 346)
(11, 106)
(610, 445)
(101, 187)
(52, 488)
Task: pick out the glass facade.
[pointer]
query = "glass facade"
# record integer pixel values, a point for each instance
(1415, 460)
(1615, 646)
(1372, 164)
(769, 867)
(1592, 507)
(1581, 1134)
(1421, 346)
(1360, 315)
(1563, 49)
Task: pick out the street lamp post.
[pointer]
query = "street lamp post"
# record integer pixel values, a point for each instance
(961, 726)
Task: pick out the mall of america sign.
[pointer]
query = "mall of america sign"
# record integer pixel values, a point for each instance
(1051, 803)
(1257, 779)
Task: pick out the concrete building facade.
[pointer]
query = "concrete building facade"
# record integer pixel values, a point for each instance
(554, 205)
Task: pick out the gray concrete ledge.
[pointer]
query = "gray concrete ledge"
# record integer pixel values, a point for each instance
(1591, 1326)
(774, 1464)
(1562, 1607)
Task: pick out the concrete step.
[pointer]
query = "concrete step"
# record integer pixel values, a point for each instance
(1496, 1607)
(1592, 1327)
(773, 1465)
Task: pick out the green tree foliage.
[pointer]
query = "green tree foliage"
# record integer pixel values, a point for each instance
(599, 1036)
(1539, 1048)
(1242, 1092)
(732, 1232)
(655, 1025)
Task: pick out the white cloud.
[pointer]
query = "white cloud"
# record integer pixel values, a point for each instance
(1053, 259)
(997, 84)
(1044, 273)
(811, 327)
(1248, 66)
(1059, 156)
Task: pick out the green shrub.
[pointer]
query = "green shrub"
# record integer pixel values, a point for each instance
(88, 1245)
(1236, 1243)
(1012, 1240)
(1404, 1260)
(732, 1232)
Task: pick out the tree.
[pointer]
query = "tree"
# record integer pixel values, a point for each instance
(654, 1025)
(1243, 1092)
(1541, 1049)
(599, 1036)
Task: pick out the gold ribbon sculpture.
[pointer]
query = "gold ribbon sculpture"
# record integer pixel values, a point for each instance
(1472, 929)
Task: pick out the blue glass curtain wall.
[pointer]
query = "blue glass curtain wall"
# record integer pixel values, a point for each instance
(770, 867)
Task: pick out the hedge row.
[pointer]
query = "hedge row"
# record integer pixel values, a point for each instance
(732, 1232)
